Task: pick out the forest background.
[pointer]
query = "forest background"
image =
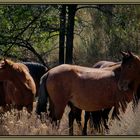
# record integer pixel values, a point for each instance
(78, 34)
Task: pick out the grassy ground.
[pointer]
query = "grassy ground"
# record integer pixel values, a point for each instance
(21, 123)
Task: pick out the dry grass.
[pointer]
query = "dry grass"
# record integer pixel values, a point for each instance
(21, 123)
(129, 124)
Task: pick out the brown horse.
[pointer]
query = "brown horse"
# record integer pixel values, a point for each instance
(18, 86)
(97, 117)
(104, 64)
(89, 89)
(100, 118)
(130, 73)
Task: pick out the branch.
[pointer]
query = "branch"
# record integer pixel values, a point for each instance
(27, 45)
(24, 29)
(51, 36)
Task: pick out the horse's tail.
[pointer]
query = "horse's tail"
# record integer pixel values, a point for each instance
(42, 95)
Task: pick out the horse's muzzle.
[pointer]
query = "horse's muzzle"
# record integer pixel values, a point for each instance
(123, 85)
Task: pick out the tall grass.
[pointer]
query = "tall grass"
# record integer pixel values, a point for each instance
(21, 123)
(129, 124)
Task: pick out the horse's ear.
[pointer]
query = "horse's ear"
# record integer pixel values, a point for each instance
(124, 54)
(5, 61)
(130, 53)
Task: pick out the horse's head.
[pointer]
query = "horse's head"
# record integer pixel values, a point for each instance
(130, 70)
(5, 66)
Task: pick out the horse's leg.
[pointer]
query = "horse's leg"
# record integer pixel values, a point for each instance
(71, 120)
(115, 113)
(56, 110)
(96, 119)
(75, 113)
(6, 108)
(78, 117)
(29, 107)
(104, 116)
(87, 115)
(18, 107)
(51, 109)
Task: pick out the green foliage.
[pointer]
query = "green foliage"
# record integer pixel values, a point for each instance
(28, 27)
(107, 34)
(31, 32)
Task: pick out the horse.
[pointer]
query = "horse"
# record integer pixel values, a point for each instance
(104, 64)
(102, 115)
(17, 84)
(97, 116)
(89, 89)
(129, 76)
(36, 70)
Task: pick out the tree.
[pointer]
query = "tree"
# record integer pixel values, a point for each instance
(27, 27)
(66, 29)
(70, 33)
(62, 33)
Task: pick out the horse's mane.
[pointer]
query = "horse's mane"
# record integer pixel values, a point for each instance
(17, 66)
(35, 64)
(36, 69)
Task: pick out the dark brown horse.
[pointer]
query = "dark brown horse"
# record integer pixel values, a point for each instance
(18, 86)
(87, 88)
(130, 73)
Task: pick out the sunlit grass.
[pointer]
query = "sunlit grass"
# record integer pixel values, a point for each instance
(21, 123)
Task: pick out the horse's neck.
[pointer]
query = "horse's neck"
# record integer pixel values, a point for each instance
(20, 81)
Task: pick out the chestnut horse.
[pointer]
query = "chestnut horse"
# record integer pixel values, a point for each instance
(130, 73)
(89, 89)
(18, 86)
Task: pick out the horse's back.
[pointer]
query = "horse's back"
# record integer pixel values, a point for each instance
(103, 64)
(66, 71)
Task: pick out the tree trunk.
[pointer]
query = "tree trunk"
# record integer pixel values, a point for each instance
(62, 34)
(70, 33)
